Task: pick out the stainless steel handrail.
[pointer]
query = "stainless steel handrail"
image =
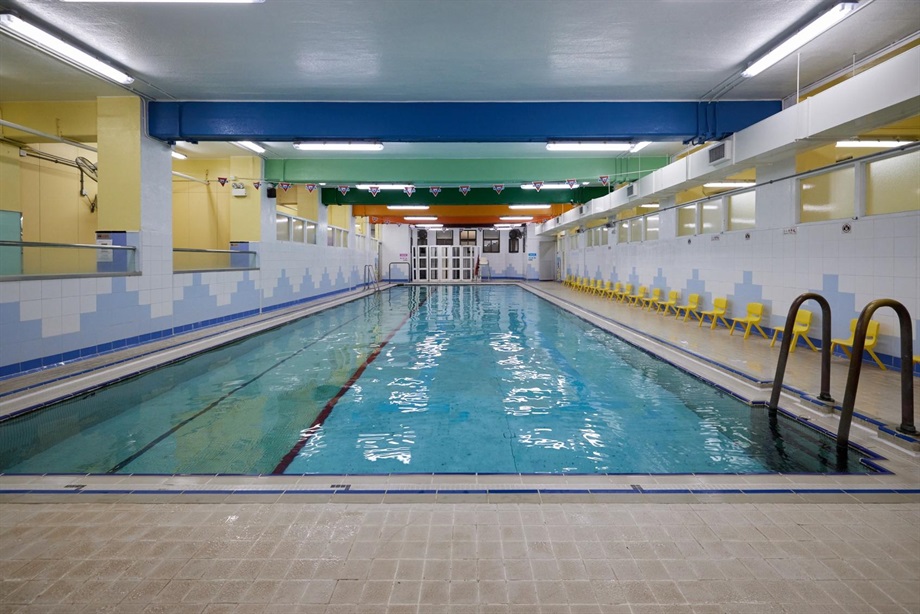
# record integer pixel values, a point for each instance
(370, 276)
(398, 262)
(825, 394)
(856, 358)
(211, 251)
(76, 245)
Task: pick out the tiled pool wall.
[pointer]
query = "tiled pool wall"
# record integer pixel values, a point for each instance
(878, 258)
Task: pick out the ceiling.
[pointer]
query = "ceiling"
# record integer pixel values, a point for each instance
(439, 50)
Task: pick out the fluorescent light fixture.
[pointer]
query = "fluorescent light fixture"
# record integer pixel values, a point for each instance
(178, 155)
(64, 51)
(430, 225)
(516, 218)
(421, 218)
(649, 206)
(503, 225)
(407, 207)
(382, 186)
(337, 146)
(528, 206)
(175, 1)
(587, 146)
(640, 146)
(817, 27)
(546, 186)
(250, 146)
(875, 144)
(729, 184)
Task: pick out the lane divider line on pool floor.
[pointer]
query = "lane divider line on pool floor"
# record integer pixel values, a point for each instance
(288, 458)
(121, 465)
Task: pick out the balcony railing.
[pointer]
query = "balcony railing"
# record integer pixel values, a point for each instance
(39, 260)
(189, 260)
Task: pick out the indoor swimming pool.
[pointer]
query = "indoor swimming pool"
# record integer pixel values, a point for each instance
(417, 379)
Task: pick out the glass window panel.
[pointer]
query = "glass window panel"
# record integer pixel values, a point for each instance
(741, 209)
(310, 233)
(711, 217)
(298, 230)
(893, 184)
(467, 237)
(651, 228)
(686, 221)
(490, 241)
(635, 230)
(828, 196)
(283, 228)
(444, 237)
(623, 232)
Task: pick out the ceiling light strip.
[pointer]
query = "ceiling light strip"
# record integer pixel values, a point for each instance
(56, 47)
(337, 146)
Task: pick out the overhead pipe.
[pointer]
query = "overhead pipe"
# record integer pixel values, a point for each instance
(46, 135)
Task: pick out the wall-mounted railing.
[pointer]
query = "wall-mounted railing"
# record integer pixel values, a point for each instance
(23, 260)
(188, 260)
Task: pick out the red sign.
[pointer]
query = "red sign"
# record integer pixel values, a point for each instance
(498, 187)
(222, 180)
(537, 185)
(571, 183)
(374, 190)
(605, 179)
(409, 190)
(285, 186)
(344, 189)
(310, 187)
(257, 184)
(435, 190)
(464, 189)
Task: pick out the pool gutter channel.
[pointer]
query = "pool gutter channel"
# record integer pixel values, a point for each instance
(483, 488)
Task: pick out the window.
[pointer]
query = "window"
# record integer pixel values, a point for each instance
(651, 227)
(686, 221)
(467, 237)
(828, 196)
(635, 230)
(623, 231)
(282, 227)
(490, 241)
(444, 237)
(711, 216)
(741, 211)
(893, 184)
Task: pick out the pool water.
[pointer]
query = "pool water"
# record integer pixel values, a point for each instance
(415, 379)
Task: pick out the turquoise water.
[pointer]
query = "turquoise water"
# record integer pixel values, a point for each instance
(442, 379)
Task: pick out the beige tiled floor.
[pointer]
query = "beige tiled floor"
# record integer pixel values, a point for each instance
(700, 544)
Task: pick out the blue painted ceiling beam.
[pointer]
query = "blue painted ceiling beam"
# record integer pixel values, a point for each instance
(484, 122)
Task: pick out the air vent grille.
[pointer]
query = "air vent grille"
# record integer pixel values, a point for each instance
(717, 153)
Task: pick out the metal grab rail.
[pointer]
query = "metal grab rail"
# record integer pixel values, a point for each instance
(859, 344)
(825, 394)
(370, 276)
(129, 248)
(398, 262)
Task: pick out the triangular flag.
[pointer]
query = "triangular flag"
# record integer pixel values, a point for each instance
(374, 190)
(222, 180)
(571, 183)
(435, 190)
(285, 186)
(605, 179)
(537, 185)
(498, 187)
(344, 189)
(464, 189)
(409, 190)
(257, 184)
(310, 187)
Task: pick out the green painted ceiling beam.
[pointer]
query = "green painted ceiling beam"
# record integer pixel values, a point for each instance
(454, 172)
(453, 196)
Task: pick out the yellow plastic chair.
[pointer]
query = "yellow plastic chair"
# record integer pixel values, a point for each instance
(648, 301)
(580, 284)
(592, 286)
(871, 341)
(599, 287)
(692, 306)
(799, 329)
(752, 319)
(568, 281)
(624, 293)
(638, 296)
(605, 290)
(667, 305)
(719, 305)
(611, 293)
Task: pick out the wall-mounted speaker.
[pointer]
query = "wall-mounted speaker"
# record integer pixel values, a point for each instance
(271, 193)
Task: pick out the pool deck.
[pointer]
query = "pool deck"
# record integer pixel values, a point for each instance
(702, 544)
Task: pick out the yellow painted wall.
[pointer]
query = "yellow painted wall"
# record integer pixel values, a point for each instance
(245, 223)
(201, 213)
(10, 197)
(53, 211)
(75, 120)
(339, 215)
(119, 127)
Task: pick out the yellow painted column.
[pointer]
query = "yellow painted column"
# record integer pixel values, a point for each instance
(120, 133)
(9, 178)
(245, 220)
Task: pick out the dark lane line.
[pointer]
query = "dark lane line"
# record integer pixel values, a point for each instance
(305, 437)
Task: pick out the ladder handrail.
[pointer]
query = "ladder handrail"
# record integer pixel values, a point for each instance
(825, 394)
(856, 358)
(400, 262)
(370, 276)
